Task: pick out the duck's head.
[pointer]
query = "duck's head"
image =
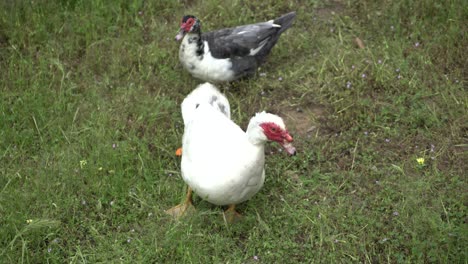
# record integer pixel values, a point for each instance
(271, 127)
(189, 24)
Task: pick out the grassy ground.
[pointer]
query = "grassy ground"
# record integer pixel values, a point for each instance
(90, 119)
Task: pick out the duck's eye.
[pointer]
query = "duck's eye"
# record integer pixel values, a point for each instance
(273, 129)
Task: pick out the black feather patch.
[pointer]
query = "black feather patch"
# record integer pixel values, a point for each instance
(200, 47)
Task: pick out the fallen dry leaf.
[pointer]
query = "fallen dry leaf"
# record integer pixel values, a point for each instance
(359, 43)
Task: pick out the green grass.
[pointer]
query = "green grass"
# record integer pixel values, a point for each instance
(90, 119)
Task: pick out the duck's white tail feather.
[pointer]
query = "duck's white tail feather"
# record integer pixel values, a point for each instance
(205, 93)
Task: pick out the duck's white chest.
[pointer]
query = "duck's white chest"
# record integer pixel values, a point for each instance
(204, 66)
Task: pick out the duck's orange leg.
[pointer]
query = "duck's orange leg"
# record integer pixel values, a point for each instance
(181, 209)
(178, 152)
(231, 215)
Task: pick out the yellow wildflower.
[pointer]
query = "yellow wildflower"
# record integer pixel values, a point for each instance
(29, 221)
(420, 161)
(83, 163)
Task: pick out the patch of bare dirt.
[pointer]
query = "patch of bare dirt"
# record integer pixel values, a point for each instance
(330, 8)
(303, 120)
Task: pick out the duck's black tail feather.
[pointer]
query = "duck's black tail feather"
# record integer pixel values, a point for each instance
(285, 21)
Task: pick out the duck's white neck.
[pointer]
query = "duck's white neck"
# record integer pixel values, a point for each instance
(194, 40)
(255, 133)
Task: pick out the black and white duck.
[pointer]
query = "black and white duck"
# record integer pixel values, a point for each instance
(228, 54)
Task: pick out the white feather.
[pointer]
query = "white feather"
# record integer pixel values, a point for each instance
(257, 49)
(204, 93)
(273, 24)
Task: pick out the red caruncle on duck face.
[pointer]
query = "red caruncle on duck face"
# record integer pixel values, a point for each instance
(187, 23)
(275, 133)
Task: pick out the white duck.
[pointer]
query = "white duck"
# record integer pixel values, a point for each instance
(220, 162)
